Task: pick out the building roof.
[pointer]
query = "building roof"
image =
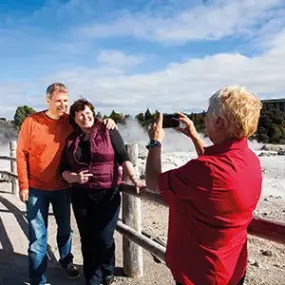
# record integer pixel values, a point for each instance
(269, 101)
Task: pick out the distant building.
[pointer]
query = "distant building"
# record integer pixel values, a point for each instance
(278, 104)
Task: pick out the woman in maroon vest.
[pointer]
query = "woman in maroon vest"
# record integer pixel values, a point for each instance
(91, 164)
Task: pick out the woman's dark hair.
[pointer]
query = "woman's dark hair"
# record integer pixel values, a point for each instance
(79, 105)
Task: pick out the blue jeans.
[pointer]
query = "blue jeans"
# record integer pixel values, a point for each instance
(37, 215)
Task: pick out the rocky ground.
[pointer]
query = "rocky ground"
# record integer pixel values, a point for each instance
(266, 259)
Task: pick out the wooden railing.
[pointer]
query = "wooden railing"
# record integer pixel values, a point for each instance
(12, 175)
(134, 239)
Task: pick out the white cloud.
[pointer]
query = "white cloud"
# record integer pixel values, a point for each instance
(117, 58)
(209, 22)
(10, 98)
(181, 86)
(278, 44)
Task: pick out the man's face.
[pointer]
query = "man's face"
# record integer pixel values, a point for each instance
(58, 103)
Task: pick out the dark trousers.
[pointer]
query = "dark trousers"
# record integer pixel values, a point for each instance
(96, 221)
(239, 283)
(37, 215)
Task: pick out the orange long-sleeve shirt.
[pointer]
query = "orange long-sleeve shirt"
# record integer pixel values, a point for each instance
(40, 145)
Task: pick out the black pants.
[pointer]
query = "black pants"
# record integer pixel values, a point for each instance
(239, 283)
(96, 221)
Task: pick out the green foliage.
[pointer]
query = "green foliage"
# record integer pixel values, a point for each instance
(199, 121)
(21, 113)
(117, 117)
(148, 115)
(271, 127)
(145, 119)
(99, 115)
(140, 117)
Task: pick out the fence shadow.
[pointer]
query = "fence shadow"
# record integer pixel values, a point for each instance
(14, 266)
(14, 271)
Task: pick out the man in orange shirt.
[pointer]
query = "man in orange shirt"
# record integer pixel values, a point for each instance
(40, 145)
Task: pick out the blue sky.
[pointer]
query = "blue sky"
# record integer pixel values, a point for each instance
(129, 55)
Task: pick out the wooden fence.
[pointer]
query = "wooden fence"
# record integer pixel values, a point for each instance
(134, 239)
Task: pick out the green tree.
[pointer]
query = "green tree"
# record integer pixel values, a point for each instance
(140, 117)
(99, 115)
(117, 117)
(263, 138)
(21, 113)
(271, 126)
(198, 120)
(147, 115)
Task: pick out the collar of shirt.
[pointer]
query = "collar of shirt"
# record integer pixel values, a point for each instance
(225, 146)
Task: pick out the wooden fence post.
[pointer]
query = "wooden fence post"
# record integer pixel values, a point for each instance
(131, 215)
(13, 165)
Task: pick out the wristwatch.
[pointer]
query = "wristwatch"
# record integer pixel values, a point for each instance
(152, 144)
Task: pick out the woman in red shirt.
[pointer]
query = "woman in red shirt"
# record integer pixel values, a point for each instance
(211, 198)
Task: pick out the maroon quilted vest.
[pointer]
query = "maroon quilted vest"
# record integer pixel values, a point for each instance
(105, 170)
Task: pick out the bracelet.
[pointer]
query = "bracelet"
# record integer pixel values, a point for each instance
(152, 144)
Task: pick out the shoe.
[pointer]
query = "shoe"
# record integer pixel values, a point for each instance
(72, 271)
(109, 279)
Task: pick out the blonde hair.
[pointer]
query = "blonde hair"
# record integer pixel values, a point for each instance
(239, 108)
(55, 87)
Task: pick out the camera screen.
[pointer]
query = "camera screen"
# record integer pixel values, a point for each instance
(170, 121)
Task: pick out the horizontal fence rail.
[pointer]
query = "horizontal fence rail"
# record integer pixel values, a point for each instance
(267, 229)
(146, 243)
(9, 174)
(260, 227)
(7, 158)
(12, 174)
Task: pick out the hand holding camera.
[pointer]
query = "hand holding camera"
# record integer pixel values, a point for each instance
(177, 121)
(181, 123)
(188, 127)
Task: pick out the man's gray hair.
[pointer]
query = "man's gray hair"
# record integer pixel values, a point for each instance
(55, 87)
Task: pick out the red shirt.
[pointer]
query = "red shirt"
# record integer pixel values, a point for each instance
(211, 201)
